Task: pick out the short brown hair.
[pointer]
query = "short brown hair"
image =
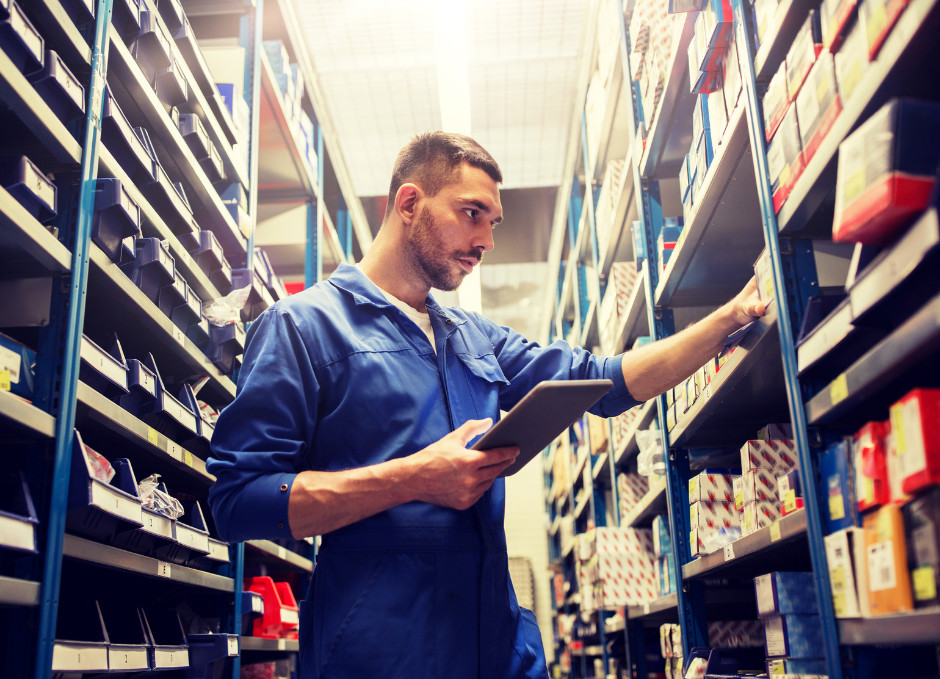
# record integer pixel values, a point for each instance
(433, 159)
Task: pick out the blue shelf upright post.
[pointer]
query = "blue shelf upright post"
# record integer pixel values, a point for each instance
(785, 290)
(60, 346)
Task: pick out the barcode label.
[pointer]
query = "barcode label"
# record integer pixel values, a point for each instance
(881, 571)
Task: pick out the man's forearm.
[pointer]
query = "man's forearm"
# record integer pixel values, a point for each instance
(321, 502)
(662, 365)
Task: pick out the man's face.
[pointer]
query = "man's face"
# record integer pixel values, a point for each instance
(454, 228)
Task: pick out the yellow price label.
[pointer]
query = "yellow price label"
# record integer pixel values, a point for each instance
(925, 584)
(876, 23)
(152, 436)
(822, 90)
(837, 578)
(897, 428)
(774, 532)
(855, 184)
(839, 389)
(789, 501)
(739, 500)
(839, 604)
(5, 380)
(836, 507)
(187, 458)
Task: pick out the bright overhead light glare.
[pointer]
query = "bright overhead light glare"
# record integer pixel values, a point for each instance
(453, 79)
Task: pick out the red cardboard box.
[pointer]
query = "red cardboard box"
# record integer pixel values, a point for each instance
(915, 421)
(878, 17)
(775, 101)
(871, 466)
(818, 105)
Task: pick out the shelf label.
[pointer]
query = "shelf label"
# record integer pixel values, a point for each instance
(179, 336)
(925, 586)
(789, 501)
(729, 552)
(233, 645)
(774, 532)
(646, 608)
(281, 553)
(173, 450)
(187, 458)
(5, 380)
(152, 436)
(163, 569)
(707, 392)
(839, 389)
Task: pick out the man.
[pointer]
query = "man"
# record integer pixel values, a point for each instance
(356, 403)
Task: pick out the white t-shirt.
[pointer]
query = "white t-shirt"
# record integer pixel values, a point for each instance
(422, 320)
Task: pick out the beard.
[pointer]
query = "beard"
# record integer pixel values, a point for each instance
(430, 260)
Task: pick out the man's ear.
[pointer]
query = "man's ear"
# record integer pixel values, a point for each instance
(406, 202)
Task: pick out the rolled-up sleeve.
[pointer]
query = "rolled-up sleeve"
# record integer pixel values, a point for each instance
(261, 440)
(527, 363)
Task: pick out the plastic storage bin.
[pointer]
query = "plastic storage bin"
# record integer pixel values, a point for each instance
(281, 618)
(212, 165)
(26, 182)
(18, 518)
(170, 85)
(170, 202)
(128, 646)
(252, 609)
(151, 48)
(208, 654)
(131, 149)
(81, 644)
(225, 343)
(210, 258)
(192, 537)
(153, 267)
(259, 298)
(98, 509)
(173, 295)
(116, 217)
(167, 414)
(80, 12)
(103, 371)
(59, 88)
(168, 647)
(125, 18)
(22, 371)
(172, 13)
(732, 662)
(195, 134)
(157, 531)
(21, 42)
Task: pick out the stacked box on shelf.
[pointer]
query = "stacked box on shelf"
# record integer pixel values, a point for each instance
(607, 200)
(614, 305)
(631, 488)
(713, 525)
(665, 558)
(621, 564)
(786, 604)
(761, 463)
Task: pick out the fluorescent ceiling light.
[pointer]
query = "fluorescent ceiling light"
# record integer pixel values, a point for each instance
(453, 78)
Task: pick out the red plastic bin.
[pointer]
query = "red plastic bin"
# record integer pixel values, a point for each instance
(281, 617)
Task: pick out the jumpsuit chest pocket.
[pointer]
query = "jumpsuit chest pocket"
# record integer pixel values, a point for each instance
(479, 377)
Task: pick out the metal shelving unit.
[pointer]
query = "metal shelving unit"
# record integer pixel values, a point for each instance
(82, 291)
(865, 358)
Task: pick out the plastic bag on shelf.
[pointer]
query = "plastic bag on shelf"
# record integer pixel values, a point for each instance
(154, 499)
(208, 412)
(650, 461)
(101, 468)
(226, 310)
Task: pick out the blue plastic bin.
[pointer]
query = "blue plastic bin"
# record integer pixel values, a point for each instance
(59, 88)
(26, 182)
(20, 40)
(116, 217)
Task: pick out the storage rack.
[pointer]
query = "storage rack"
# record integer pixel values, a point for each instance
(712, 261)
(58, 285)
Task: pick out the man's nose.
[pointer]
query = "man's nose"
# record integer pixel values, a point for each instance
(483, 238)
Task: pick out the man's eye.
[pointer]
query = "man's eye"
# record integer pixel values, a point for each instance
(471, 213)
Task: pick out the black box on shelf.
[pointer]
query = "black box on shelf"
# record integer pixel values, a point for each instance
(125, 18)
(131, 150)
(170, 85)
(18, 519)
(153, 267)
(116, 217)
(922, 528)
(168, 647)
(211, 260)
(27, 184)
(141, 385)
(103, 371)
(151, 48)
(59, 88)
(98, 508)
(21, 42)
(81, 643)
(128, 646)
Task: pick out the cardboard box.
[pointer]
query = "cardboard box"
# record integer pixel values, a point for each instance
(765, 277)
(713, 524)
(764, 17)
(713, 485)
(793, 636)
(802, 54)
(777, 455)
(662, 544)
(889, 584)
(922, 532)
(666, 575)
(785, 158)
(851, 61)
(731, 86)
(717, 115)
(759, 485)
(818, 105)
(915, 422)
(895, 478)
(790, 492)
(785, 593)
(838, 479)
(833, 17)
(878, 18)
(735, 633)
(757, 515)
(775, 101)
(17, 368)
(847, 560)
(886, 172)
(870, 466)
(738, 488)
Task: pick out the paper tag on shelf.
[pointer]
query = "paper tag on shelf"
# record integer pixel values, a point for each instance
(187, 458)
(789, 501)
(233, 645)
(173, 450)
(707, 393)
(5, 380)
(646, 608)
(152, 436)
(838, 390)
(179, 336)
(925, 586)
(729, 552)
(163, 569)
(774, 532)
(282, 644)
(281, 553)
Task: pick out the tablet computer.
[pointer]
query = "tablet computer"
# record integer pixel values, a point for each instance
(544, 413)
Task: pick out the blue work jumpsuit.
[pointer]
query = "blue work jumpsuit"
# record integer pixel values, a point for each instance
(336, 378)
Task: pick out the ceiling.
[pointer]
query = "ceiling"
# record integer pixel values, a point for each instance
(375, 60)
